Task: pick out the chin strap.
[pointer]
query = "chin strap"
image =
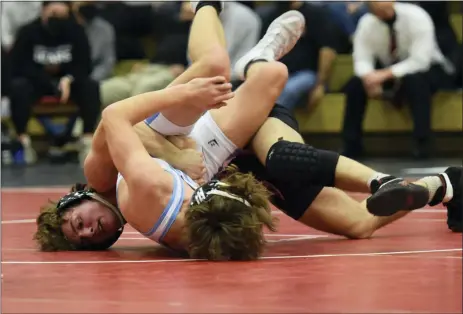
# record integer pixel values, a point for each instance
(113, 208)
(74, 198)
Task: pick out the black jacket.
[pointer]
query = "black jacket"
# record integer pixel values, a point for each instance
(35, 49)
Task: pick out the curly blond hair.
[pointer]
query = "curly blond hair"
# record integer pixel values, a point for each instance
(226, 229)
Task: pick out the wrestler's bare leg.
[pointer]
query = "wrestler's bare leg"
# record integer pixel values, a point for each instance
(332, 210)
(265, 79)
(209, 57)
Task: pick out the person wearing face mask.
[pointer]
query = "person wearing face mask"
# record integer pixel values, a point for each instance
(51, 57)
(101, 38)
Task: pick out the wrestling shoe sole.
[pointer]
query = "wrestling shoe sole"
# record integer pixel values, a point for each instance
(397, 197)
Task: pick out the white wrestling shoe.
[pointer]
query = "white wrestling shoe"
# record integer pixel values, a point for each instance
(194, 4)
(281, 36)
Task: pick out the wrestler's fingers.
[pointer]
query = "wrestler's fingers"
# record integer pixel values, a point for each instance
(224, 87)
(224, 97)
(218, 80)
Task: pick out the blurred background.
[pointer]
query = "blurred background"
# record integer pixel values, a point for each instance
(63, 62)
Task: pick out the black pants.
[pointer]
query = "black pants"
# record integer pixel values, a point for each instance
(416, 89)
(24, 93)
(5, 71)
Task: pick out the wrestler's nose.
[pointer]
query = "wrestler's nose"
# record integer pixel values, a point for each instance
(87, 232)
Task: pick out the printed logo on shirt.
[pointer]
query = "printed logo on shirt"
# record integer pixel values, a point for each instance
(52, 55)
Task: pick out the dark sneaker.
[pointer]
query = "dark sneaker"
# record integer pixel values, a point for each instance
(376, 183)
(453, 178)
(396, 195)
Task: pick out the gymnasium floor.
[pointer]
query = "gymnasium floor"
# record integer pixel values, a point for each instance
(412, 266)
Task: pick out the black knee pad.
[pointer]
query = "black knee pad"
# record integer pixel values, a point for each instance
(284, 115)
(301, 163)
(294, 199)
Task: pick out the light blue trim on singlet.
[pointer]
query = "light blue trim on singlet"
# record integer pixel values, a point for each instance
(177, 185)
(152, 118)
(174, 206)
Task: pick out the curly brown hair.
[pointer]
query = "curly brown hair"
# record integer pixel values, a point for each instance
(226, 229)
(49, 235)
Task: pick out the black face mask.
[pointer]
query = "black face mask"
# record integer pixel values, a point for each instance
(88, 12)
(58, 26)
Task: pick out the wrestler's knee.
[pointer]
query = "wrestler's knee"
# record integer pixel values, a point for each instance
(361, 230)
(215, 62)
(274, 75)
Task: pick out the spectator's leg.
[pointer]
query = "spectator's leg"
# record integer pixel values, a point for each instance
(418, 93)
(6, 77)
(153, 82)
(23, 94)
(298, 85)
(86, 94)
(115, 89)
(356, 101)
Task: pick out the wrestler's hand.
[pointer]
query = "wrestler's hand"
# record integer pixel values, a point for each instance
(209, 93)
(191, 162)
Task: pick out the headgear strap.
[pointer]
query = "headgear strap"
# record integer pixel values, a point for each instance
(73, 198)
(206, 191)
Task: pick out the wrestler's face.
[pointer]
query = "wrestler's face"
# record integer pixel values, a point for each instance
(89, 223)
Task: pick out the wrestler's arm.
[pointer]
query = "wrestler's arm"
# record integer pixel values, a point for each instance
(99, 169)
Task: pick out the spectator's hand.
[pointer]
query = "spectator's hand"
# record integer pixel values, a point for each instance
(374, 92)
(64, 87)
(316, 95)
(209, 93)
(375, 78)
(138, 67)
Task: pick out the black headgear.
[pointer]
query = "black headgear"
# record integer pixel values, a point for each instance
(76, 197)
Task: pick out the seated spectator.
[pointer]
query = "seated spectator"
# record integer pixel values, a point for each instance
(169, 61)
(401, 37)
(445, 34)
(310, 62)
(100, 34)
(347, 15)
(241, 27)
(51, 56)
(132, 20)
(14, 15)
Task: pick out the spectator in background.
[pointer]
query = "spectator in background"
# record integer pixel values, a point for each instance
(51, 56)
(173, 23)
(132, 20)
(401, 37)
(100, 34)
(347, 15)
(310, 62)
(241, 27)
(14, 15)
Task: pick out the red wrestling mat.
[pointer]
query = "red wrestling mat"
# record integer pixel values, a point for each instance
(414, 265)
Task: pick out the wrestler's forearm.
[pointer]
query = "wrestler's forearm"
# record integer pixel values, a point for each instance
(157, 145)
(140, 107)
(99, 169)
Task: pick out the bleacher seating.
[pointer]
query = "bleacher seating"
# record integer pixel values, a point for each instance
(327, 117)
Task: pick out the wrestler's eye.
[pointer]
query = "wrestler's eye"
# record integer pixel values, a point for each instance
(80, 223)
